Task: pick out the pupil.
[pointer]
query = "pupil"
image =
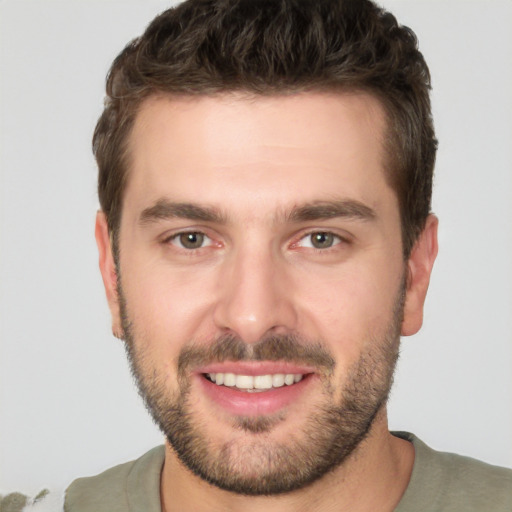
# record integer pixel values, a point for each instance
(322, 240)
(192, 240)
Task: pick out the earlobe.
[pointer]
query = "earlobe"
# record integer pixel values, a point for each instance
(419, 269)
(108, 272)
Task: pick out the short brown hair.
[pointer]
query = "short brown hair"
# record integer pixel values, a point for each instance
(277, 47)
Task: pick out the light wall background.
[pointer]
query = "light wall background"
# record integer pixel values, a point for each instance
(67, 403)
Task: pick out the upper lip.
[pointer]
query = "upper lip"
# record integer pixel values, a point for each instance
(254, 368)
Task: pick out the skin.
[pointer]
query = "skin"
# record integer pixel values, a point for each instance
(255, 160)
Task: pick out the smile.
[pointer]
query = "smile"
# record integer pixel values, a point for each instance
(255, 383)
(255, 388)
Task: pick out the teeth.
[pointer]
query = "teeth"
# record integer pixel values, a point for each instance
(229, 379)
(278, 380)
(244, 382)
(263, 382)
(288, 379)
(258, 382)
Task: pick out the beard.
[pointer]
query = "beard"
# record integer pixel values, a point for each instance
(254, 463)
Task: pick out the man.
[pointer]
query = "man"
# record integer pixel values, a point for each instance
(265, 237)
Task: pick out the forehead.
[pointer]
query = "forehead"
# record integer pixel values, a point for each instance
(254, 150)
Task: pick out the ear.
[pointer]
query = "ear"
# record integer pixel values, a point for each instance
(108, 272)
(419, 268)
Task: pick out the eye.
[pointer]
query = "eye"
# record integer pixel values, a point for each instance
(320, 240)
(190, 240)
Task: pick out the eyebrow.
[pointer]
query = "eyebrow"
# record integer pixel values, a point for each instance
(323, 210)
(164, 209)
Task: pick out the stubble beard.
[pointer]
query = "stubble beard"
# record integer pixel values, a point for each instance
(260, 465)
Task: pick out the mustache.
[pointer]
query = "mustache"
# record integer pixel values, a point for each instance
(285, 348)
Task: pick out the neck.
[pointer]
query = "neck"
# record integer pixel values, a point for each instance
(373, 478)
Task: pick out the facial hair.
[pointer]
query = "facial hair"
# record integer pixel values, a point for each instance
(259, 465)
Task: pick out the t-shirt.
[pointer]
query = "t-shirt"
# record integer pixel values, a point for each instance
(445, 482)
(440, 482)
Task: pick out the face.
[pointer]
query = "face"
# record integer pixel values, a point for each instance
(260, 281)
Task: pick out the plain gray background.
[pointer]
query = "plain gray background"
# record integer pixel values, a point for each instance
(68, 405)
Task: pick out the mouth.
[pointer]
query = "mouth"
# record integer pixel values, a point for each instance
(246, 389)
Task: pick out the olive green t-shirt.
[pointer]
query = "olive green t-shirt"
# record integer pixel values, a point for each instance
(445, 482)
(440, 482)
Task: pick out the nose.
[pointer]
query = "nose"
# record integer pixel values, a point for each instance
(255, 296)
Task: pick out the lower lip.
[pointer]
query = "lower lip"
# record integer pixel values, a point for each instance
(243, 403)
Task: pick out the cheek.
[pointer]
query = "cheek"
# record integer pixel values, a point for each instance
(348, 311)
(168, 307)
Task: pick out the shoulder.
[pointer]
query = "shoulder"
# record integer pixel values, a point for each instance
(449, 482)
(134, 485)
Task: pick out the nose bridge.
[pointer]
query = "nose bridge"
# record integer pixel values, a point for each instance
(253, 299)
